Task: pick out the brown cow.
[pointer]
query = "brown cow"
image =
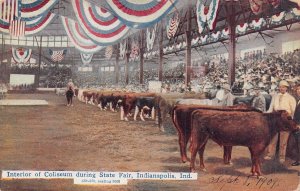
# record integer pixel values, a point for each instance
(231, 128)
(181, 116)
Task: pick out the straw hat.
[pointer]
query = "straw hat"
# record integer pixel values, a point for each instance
(284, 83)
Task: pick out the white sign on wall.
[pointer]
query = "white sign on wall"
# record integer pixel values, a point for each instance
(19, 79)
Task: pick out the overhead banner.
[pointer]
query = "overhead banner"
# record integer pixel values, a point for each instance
(102, 27)
(172, 25)
(86, 58)
(207, 14)
(33, 8)
(141, 14)
(78, 37)
(150, 38)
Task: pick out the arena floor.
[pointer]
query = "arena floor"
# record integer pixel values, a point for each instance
(83, 138)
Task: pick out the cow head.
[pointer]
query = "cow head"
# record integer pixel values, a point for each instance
(285, 121)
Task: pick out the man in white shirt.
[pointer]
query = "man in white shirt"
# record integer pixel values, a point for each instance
(281, 101)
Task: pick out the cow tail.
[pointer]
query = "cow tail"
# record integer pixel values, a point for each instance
(174, 118)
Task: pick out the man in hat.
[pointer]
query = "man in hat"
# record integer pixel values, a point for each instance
(228, 96)
(281, 101)
(259, 101)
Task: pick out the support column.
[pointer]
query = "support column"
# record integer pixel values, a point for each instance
(142, 56)
(127, 54)
(117, 72)
(161, 53)
(188, 53)
(232, 43)
(37, 82)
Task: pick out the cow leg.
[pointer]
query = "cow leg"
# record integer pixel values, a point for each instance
(252, 161)
(153, 113)
(122, 113)
(141, 115)
(110, 106)
(136, 112)
(227, 155)
(201, 152)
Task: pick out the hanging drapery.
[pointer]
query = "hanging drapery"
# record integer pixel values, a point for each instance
(57, 56)
(207, 15)
(78, 38)
(258, 23)
(142, 13)
(278, 18)
(21, 55)
(172, 25)
(37, 24)
(108, 52)
(256, 6)
(122, 49)
(33, 8)
(102, 27)
(215, 36)
(17, 28)
(225, 33)
(241, 28)
(86, 58)
(296, 12)
(150, 38)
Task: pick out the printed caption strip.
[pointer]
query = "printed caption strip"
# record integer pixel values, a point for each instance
(102, 177)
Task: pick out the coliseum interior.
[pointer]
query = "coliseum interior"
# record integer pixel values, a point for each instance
(147, 87)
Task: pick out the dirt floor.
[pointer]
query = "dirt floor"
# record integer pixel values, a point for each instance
(83, 138)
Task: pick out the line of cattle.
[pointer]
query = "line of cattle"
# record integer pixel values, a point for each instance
(197, 119)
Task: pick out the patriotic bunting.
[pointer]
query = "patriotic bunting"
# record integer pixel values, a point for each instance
(150, 38)
(203, 39)
(21, 55)
(258, 23)
(278, 18)
(17, 28)
(275, 3)
(9, 9)
(33, 8)
(102, 27)
(241, 28)
(142, 13)
(57, 56)
(122, 49)
(215, 36)
(78, 38)
(37, 24)
(86, 58)
(296, 13)
(172, 25)
(195, 41)
(108, 52)
(225, 33)
(207, 15)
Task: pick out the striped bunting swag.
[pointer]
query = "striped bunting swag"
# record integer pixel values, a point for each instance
(57, 56)
(86, 58)
(17, 28)
(21, 55)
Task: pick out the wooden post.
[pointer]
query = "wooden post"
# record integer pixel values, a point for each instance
(127, 54)
(232, 43)
(40, 60)
(161, 53)
(117, 72)
(141, 46)
(188, 47)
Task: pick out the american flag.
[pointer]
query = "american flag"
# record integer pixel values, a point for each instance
(9, 9)
(17, 28)
(57, 56)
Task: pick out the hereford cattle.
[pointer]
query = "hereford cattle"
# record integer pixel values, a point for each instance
(142, 103)
(128, 103)
(231, 128)
(181, 116)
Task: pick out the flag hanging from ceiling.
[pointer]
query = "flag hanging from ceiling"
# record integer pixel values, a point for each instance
(21, 55)
(207, 14)
(109, 52)
(172, 25)
(102, 27)
(86, 58)
(142, 13)
(78, 38)
(134, 50)
(17, 28)
(122, 49)
(57, 56)
(151, 38)
(9, 9)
